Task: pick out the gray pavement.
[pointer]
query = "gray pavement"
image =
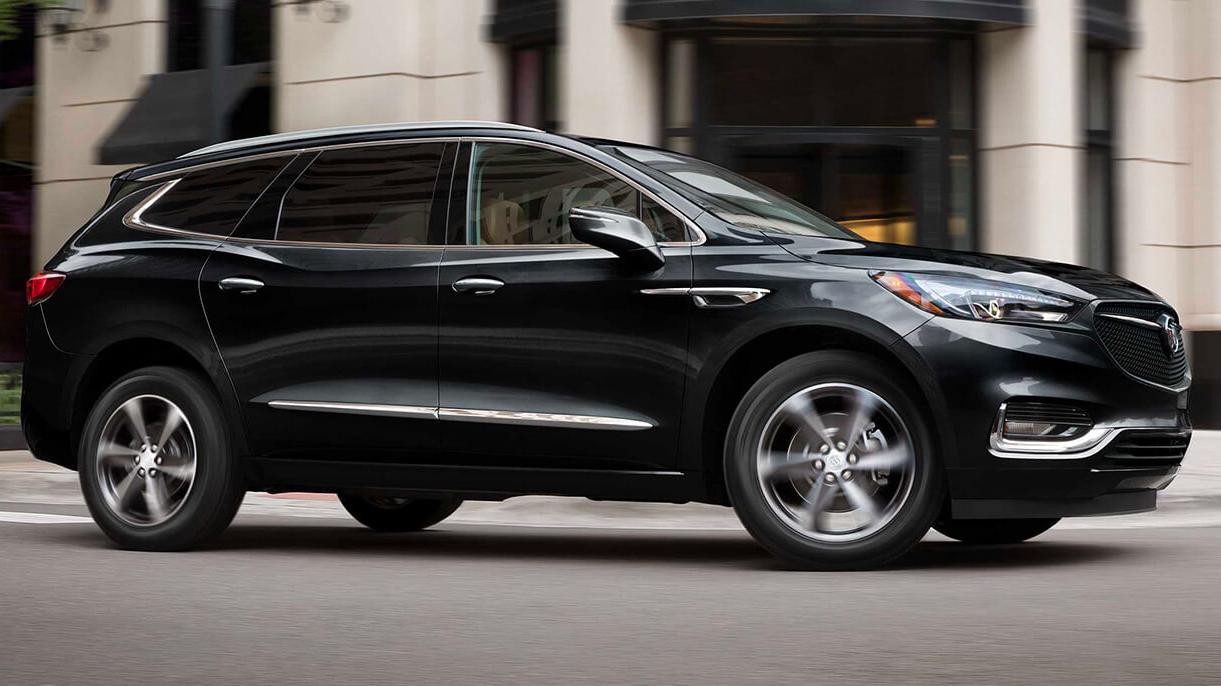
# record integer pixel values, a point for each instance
(296, 593)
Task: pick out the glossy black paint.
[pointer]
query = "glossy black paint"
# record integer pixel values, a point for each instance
(568, 332)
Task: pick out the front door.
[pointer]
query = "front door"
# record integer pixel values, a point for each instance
(550, 356)
(324, 306)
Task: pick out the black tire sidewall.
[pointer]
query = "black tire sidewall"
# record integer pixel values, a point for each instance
(746, 494)
(414, 515)
(215, 493)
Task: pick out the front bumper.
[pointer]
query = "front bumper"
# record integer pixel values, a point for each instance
(980, 365)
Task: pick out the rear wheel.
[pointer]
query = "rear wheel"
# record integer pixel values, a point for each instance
(393, 514)
(993, 531)
(829, 464)
(155, 464)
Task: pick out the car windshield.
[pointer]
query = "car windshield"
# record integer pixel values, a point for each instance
(730, 196)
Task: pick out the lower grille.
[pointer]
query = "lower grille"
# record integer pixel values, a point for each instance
(1149, 447)
(1132, 333)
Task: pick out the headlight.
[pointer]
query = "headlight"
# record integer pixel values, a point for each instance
(954, 296)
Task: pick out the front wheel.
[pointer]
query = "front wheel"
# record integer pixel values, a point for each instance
(829, 464)
(993, 531)
(392, 514)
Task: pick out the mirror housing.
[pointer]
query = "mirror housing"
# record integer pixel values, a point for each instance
(617, 232)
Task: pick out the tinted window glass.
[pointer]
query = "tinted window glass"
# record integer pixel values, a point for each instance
(213, 200)
(371, 195)
(521, 196)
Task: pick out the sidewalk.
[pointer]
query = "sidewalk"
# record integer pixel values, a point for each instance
(1194, 499)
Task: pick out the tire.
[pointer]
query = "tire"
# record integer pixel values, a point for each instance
(396, 515)
(178, 497)
(993, 531)
(807, 506)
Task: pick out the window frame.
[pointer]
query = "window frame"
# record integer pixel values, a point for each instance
(457, 237)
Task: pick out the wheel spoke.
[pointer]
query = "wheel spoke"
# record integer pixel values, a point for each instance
(809, 422)
(779, 466)
(859, 499)
(862, 414)
(134, 412)
(817, 500)
(124, 490)
(112, 453)
(156, 499)
(183, 471)
(173, 420)
(892, 458)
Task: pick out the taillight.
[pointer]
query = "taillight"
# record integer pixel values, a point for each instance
(41, 286)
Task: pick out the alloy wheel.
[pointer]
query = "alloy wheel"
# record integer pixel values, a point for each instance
(835, 462)
(145, 460)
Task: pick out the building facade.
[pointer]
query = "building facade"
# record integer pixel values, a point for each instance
(1081, 131)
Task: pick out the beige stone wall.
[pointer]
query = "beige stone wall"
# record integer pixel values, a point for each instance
(1169, 157)
(609, 84)
(81, 95)
(388, 61)
(1030, 135)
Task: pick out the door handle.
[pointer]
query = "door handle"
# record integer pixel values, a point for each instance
(477, 285)
(242, 284)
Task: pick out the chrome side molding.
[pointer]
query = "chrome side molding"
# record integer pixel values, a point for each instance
(707, 296)
(577, 421)
(355, 408)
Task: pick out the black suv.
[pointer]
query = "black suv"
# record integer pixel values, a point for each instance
(414, 315)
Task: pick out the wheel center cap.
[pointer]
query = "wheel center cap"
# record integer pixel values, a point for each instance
(835, 461)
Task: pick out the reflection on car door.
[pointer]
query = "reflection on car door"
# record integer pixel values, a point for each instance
(550, 356)
(324, 305)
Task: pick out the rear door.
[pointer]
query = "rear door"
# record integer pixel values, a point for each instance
(558, 360)
(324, 304)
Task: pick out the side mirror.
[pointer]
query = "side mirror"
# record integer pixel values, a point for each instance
(618, 232)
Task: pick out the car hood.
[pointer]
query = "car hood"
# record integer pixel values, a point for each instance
(1077, 282)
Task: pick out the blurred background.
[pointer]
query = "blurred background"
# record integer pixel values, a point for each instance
(1082, 131)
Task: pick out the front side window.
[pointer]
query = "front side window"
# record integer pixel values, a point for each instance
(377, 195)
(521, 195)
(213, 200)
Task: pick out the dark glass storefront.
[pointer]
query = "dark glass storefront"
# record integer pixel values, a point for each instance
(873, 128)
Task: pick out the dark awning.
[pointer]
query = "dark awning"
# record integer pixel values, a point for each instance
(168, 118)
(518, 20)
(9, 98)
(996, 11)
(1109, 21)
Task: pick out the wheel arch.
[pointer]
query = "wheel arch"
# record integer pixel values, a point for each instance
(743, 364)
(123, 355)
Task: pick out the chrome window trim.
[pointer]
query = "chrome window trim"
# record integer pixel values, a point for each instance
(177, 174)
(520, 418)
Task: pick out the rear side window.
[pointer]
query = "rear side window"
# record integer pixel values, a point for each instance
(377, 195)
(213, 200)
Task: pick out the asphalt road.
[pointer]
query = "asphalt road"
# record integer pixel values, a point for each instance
(297, 600)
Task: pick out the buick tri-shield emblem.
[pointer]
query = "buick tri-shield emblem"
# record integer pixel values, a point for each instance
(1172, 334)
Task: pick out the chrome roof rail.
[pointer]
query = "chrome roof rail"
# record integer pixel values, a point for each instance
(291, 136)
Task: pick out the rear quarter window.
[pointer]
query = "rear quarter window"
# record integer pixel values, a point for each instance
(213, 200)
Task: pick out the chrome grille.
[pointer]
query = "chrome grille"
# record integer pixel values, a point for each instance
(1140, 349)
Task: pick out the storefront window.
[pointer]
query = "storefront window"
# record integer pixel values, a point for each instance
(534, 100)
(876, 132)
